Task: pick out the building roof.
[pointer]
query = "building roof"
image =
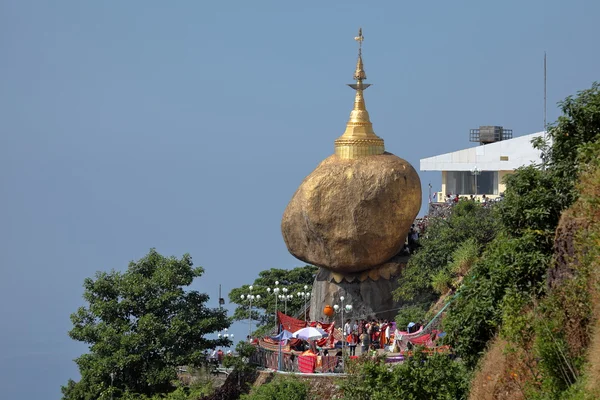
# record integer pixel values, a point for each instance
(504, 155)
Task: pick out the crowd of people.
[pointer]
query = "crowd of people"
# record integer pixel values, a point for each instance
(216, 357)
(483, 199)
(370, 335)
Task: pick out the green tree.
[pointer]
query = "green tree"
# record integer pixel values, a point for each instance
(140, 325)
(533, 202)
(263, 309)
(468, 221)
(578, 126)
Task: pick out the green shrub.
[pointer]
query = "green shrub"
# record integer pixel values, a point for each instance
(468, 221)
(280, 388)
(239, 362)
(193, 392)
(464, 257)
(476, 313)
(419, 377)
(413, 313)
(442, 282)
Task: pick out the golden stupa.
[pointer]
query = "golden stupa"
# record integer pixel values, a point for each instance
(359, 139)
(354, 211)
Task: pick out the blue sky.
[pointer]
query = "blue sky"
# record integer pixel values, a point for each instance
(188, 125)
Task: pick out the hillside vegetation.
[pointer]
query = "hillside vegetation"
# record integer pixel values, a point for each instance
(544, 310)
(522, 279)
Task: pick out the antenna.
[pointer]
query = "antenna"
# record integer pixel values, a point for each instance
(545, 126)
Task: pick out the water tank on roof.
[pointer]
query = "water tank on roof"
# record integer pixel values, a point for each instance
(490, 134)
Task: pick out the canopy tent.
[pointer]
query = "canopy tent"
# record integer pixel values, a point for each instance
(284, 335)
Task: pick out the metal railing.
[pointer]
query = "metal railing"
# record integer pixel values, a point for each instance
(289, 362)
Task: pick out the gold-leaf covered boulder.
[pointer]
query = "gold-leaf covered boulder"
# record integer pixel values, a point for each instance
(350, 215)
(353, 212)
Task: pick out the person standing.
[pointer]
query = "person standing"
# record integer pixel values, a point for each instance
(352, 342)
(387, 333)
(347, 328)
(364, 342)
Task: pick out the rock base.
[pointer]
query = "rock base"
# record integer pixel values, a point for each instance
(369, 298)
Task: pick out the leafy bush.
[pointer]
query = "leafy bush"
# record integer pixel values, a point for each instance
(468, 221)
(508, 264)
(413, 313)
(418, 377)
(285, 388)
(442, 282)
(193, 392)
(239, 362)
(533, 202)
(464, 257)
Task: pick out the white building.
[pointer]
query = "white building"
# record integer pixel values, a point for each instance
(480, 170)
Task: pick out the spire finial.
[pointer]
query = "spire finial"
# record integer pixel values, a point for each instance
(359, 39)
(359, 140)
(359, 73)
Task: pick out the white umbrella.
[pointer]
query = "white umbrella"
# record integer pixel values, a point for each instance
(310, 333)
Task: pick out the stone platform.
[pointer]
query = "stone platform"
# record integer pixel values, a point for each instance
(370, 292)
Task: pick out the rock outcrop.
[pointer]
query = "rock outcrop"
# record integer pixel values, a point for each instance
(350, 215)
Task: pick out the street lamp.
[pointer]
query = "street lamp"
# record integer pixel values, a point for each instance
(285, 297)
(276, 293)
(347, 308)
(250, 297)
(475, 171)
(304, 295)
(225, 335)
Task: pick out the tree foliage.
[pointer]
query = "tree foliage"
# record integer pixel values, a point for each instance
(140, 325)
(516, 262)
(467, 221)
(533, 201)
(263, 309)
(408, 314)
(577, 126)
(418, 377)
(508, 264)
(281, 387)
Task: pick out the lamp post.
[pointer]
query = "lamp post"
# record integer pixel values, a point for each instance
(225, 335)
(285, 297)
(250, 297)
(304, 295)
(475, 171)
(348, 308)
(276, 293)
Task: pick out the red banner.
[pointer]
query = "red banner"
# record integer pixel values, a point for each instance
(290, 323)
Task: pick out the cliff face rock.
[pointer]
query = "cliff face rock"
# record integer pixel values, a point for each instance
(350, 215)
(566, 253)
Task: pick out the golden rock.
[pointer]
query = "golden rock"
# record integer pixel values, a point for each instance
(354, 211)
(350, 215)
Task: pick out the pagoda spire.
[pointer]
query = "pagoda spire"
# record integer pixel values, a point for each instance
(359, 139)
